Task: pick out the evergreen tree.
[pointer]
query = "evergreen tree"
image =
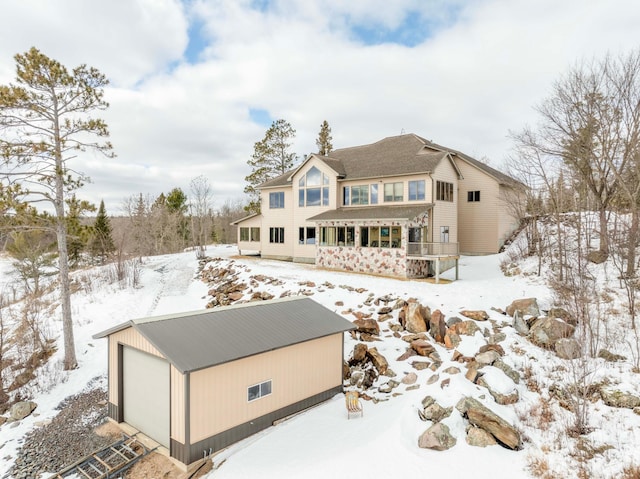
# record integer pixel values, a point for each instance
(101, 244)
(271, 157)
(324, 139)
(78, 234)
(46, 119)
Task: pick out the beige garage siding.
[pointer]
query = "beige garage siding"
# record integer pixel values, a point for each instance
(218, 398)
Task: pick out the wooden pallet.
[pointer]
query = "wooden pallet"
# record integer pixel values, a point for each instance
(107, 462)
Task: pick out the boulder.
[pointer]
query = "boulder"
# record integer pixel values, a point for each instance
(414, 317)
(359, 353)
(567, 348)
(499, 385)
(546, 331)
(409, 378)
(436, 413)
(451, 370)
(508, 370)
(477, 315)
(597, 257)
(356, 378)
(366, 325)
(437, 326)
(21, 409)
(453, 320)
(472, 371)
(520, 324)
(487, 357)
(437, 437)
(378, 360)
(420, 365)
(609, 356)
(617, 398)
(451, 340)
(467, 328)
(482, 417)
(563, 314)
(479, 437)
(524, 307)
(422, 347)
(492, 347)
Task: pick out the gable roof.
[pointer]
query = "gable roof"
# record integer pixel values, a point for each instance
(395, 212)
(201, 339)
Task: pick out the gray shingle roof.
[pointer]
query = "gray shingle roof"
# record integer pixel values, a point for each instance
(201, 339)
(392, 156)
(399, 212)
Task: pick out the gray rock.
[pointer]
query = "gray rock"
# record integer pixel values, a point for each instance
(479, 437)
(21, 409)
(617, 398)
(437, 437)
(567, 348)
(546, 331)
(524, 307)
(519, 324)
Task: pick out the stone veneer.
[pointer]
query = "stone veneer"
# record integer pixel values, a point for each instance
(385, 261)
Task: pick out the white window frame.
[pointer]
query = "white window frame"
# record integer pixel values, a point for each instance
(263, 391)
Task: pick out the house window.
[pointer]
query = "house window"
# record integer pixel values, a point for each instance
(307, 235)
(380, 236)
(416, 190)
(276, 235)
(314, 188)
(358, 195)
(258, 390)
(473, 196)
(393, 191)
(444, 191)
(373, 194)
(337, 236)
(276, 199)
(249, 234)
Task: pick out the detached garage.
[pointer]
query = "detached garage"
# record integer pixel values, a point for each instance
(198, 382)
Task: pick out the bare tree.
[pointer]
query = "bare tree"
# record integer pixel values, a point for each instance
(200, 211)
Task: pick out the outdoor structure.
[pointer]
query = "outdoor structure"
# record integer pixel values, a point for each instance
(402, 206)
(198, 382)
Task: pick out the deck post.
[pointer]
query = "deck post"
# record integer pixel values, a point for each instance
(456, 269)
(437, 270)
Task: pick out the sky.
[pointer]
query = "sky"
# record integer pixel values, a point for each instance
(195, 83)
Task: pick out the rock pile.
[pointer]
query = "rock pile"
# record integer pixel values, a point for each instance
(66, 438)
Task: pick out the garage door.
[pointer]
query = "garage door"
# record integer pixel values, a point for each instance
(145, 388)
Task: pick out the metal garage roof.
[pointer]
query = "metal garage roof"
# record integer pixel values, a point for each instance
(200, 339)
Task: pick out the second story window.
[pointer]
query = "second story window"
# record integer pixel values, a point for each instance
(276, 199)
(314, 188)
(473, 196)
(416, 190)
(444, 191)
(393, 191)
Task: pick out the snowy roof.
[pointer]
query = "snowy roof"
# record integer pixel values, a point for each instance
(201, 339)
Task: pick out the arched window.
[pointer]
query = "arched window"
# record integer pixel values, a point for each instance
(314, 188)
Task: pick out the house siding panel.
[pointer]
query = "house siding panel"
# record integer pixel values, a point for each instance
(478, 220)
(445, 213)
(315, 365)
(251, 246)
(178, 413)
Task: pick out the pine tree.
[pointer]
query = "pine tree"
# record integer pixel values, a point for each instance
(101, 244)
(324, 139)
(78, 234)
(46, 120)
(271, 157)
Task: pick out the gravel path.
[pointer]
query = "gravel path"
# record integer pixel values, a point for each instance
(69, 437)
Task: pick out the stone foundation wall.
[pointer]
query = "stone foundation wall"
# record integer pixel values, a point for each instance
(384, 261)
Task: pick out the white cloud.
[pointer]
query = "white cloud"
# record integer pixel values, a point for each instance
(476, 76)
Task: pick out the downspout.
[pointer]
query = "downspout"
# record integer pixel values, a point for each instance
(433, 202)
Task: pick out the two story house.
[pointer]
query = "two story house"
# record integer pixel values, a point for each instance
(402, 206)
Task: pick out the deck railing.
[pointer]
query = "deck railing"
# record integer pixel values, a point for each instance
(432, 249)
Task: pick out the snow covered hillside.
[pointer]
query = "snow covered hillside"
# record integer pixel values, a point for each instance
(321, 442)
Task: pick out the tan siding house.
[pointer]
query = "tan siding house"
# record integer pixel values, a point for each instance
(398, 207)
(198, 382)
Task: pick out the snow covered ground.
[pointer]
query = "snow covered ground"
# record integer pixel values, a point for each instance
(321, 442)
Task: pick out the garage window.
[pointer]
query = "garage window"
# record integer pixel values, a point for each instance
(258, 390)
